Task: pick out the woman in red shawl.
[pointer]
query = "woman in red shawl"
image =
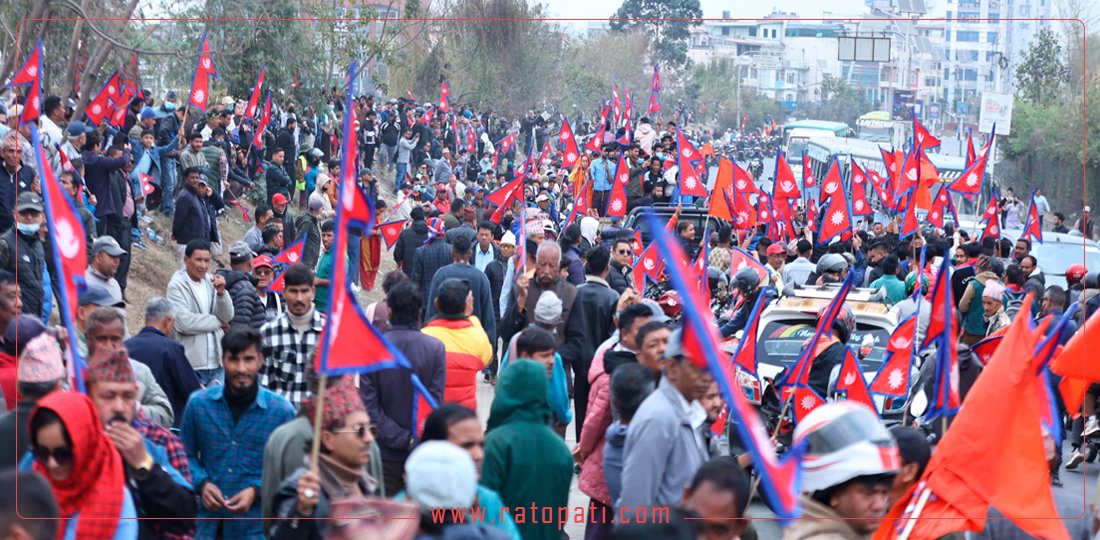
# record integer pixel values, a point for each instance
(83, 468)
(370, 246)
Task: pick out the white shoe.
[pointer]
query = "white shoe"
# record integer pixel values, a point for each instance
(1075, 460)
(356, 288)
(1091, 426)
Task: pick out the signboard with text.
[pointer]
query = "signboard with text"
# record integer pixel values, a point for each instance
(996, 108)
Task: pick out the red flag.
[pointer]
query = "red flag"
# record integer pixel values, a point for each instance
(909, 224)
(654, 93)
(650, 262)
(391, 231)
(616, 203)
(503, 147)
(254, 100)
(118, 117)
(808, 180)
(837, 219)
(881, 186)
(146, 183)
(785, 185)
(893, 377)
(690, 181)
(69, 250)
(740, 258)
(596, 142)
(969, 182)
(909, 176)
(1032, 226)
(992, 224)
(745, 357)
(31, 69)
(1076, 360)
(265, 119)
(471, 142)
(923, 138)
(943, 332)
(426, 118)
(636, 246)
(204, 69)
(570, 154)
(33, 105)
(293, 253)
(851, 384)
(970, 156)
(832, 183)
(811, 214)
(97, 108)
(861, 206)
(444, 96)
(617, 110)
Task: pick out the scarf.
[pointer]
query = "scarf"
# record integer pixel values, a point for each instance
(341, 482)
(240, 400)
(94, 487)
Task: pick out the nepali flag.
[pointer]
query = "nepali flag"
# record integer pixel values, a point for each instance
(444, 96)
(719, 207)
(1033, 228)
(970, 155)
(690, 181)
(66, 163)
(893, 377)
(811, 214)
(265, 119)
(31, 69)
(969, 183)
(204, 69)
(943, 334)
(146, 183)
(740, 258)
(118, 117)
(98, 107)
(910, 175)
(655, 92)
(837, 218)
(426, 118)
(832, 184)
(471, 142)
(349, 342)
(745, 357)
(992, 224)
(890, 161)
(650, 263)
(254, 100)
(909, 224)
(570, 154)
(69, 251)
(764, 209)
(785, 186)
(521, 243)
(780, 480)
(616, 202)
(942, 206)
(628, 134)
(795, 381)
(808, 180)
(923, 138)
(580, 203)
(596, 143)
(391, 231)
(850, 382)
(32, 109)
(861, 206)
(291, 255)
(502, 148)
(882, 189)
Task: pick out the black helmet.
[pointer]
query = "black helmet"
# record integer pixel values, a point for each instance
(844, 324)
(1090, 280)
(832, 263)
(746, 280)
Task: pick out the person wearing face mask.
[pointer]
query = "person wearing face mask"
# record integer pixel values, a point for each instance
(22, 253)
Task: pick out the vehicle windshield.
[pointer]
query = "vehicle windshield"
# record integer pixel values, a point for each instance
(874, 134)
(782, 341)
(1055, 257)
(796, 146)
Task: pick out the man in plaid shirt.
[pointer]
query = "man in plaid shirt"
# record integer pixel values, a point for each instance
(224, 429)
(290, 339)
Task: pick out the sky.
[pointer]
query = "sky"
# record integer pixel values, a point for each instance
(711, 8)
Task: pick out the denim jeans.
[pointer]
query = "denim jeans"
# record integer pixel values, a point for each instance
(399, 178)
(386, 155)
(354, 250)
(168, 186)
(211, 377)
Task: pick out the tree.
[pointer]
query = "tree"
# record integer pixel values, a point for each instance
(667, 22)
(1042, 73)
(839, 102)
(711, 89)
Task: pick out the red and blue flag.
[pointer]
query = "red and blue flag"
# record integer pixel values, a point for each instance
(1033, 225)
(943, 334)
(204, 69)
(893, 377)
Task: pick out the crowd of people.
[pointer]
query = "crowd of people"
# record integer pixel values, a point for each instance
(204, 420)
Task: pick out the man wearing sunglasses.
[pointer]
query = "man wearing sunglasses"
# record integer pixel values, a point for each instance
(621, 277)
(346, 440)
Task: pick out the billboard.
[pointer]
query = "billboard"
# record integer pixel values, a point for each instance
(996, 108)
(904, 104)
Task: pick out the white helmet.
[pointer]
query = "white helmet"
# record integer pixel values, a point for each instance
(844, 440)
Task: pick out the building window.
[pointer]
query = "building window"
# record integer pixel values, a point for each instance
(725, 31)
(994, 17)
(991, 37)
(967, 35)
(790, 78)
(949, 14)
(970, 75)
(752, 31)
(969, 15)
(1025, 11)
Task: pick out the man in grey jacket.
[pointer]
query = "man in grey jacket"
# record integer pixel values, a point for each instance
(203, 311)
(664, 446)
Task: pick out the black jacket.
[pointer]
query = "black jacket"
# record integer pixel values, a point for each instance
(620, 278)
(389, 132)
(822, 367)
(167, 506)
(404, 250)
(306, 225)
(23, 256)
(165, 358)
(10, 185)
(277, 181)
(598, 301)
(495, 271)
(285, 141)
(289, 232)
(192, 218)
(247, 308)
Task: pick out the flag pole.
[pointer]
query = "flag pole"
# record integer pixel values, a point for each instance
(775, 436)
(318, 415)
(911, 521)
(978, 207)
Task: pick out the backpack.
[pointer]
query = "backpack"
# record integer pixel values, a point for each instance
(1013, 302)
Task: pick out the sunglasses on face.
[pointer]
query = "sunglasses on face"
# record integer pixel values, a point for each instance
(622, 251)
(360, 431)
(63, 456)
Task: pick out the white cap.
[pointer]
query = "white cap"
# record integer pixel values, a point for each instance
(1087, 209)
(509, 238)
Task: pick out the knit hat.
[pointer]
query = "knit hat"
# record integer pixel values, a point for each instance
(439, 474)
(548, 309)
(112, 366)
(994, 290)
(509, 239)
(41, 361)
(341, 400)
(147, 113)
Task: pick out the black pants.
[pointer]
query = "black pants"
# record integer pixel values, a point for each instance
(599, 200)
(580, 394)
(118, 228)
(393, 476)
(368, 155)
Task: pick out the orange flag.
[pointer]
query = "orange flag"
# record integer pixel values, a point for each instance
(707, 150)
(993, 454)
(723, 186)
(1074, 361)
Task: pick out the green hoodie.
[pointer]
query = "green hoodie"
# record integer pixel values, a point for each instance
(525, 461)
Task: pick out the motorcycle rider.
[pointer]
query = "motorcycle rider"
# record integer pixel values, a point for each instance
(849, 468)
(831, 268)
(830, 349)
(747, 282)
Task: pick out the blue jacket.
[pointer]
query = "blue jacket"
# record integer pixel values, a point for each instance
(192, 219)
(154, 159)
(169, 364)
